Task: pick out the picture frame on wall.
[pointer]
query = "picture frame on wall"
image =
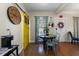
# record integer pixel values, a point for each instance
(60, 24)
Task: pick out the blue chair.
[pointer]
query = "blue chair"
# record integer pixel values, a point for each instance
(74, 39)
(51, 43)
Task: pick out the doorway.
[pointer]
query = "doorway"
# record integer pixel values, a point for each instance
(41, 23)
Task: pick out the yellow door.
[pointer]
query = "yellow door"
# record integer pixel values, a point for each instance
(25, 31)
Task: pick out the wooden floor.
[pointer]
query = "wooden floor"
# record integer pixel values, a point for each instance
(63, 49)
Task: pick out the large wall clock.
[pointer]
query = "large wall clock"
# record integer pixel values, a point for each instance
(14, 15)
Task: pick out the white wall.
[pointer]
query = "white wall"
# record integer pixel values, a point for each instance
(68, 26)
(6, 24)
(67, 20)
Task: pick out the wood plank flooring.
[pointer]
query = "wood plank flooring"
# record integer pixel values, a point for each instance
(63, 49)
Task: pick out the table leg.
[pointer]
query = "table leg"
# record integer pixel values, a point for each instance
(44, 45)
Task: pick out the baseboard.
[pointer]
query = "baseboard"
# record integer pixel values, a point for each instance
(20, 51)
(31, 42)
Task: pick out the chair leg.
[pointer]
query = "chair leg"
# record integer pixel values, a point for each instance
(78, 42)
(72, 41)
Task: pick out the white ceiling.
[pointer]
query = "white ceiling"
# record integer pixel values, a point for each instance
(42, 6)
(54, 7)
(72, 7)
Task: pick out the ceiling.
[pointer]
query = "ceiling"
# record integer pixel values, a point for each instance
(42, 6)
(54, 7)
(72, 7)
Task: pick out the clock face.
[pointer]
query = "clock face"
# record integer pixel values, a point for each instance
(14, 15)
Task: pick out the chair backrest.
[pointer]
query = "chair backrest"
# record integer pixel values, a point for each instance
(70, 34)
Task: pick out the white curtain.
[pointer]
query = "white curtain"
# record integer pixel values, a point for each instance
(76, 26)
